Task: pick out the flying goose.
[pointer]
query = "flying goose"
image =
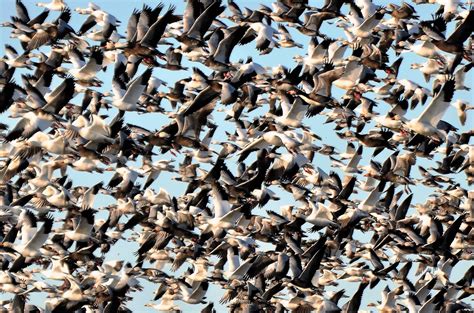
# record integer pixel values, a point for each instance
(54, 5)
(197, 23)
(31, 247)
(126, 96)
(209, 229)
(426, 123)
(145, 30)
(85, 71)
(269, 138)
(13, 59)
(51, 32)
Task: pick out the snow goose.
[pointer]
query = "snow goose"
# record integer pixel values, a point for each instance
(424, 48)
(196, 23)
(271, 138)
(82, 231)
(50, 32)
(365, 29)
(87, 200)
(320, 216)
(193, 295)
(56, 196)
(59, 269)
(31, 123)
(221, 58)
(85, 71)
(126, 97)
(426, 123)
(461, 108)
(353, 72)
(455, 42)
(292, 114)
(95, 130)
(352, 165)
(54, 5)
(429, 68)
(31, 248)
(13, 59)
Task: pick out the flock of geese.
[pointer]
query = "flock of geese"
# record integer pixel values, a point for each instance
(392, 210)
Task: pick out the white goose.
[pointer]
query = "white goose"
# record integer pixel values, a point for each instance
(32, 247)
(274, 138)
(13, 59)
(74, 293)
(235, 269)
(82, 229)
(293, 114)
(352, 166)
(95, 130)
(82, 70)
(351, 76)
(126, 97)
(31, 123)
(365, 29)
(426, 123)
(53, 144)
(320, 216)
(370, 203)
(59, 197)
(54, 5)
(430, 67)
(59, 269)
(424, 48)
(461, 108)
(193, 295)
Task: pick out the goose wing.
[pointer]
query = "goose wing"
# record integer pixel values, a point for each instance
(206, 96)
(191, 12)
(28, 227)
(39, 19)
(354, 303)
(225, 47)
(156, 31)
(6, 95)
(76, 57)
(257, 144)
(41, 37)
(23, 128)
(353, 70)
(41, 235)
(204, 21)
(99, 126)
(60, 96)
(372, 21)
(298, 110)
(312, 266)
(86, 222)
(88, 24)
(433, 113)
(221, 201)
(95, 61)
(22, 12)
(136, 87)
(355, 158)
(10, 52)
(89, 196)
(118, 87)
(132, 25)
(115, 180)
(463, 31)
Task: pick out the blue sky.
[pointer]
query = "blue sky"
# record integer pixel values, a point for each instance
(122, 10)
